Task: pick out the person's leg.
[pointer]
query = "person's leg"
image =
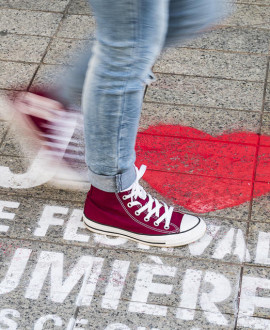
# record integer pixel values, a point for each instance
(189, 18)
(130, 35)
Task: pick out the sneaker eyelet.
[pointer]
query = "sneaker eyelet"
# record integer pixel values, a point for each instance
(146, 219)
(124, 197)
(166, 227)
(129, 205)
(156, 224)
(137, 212)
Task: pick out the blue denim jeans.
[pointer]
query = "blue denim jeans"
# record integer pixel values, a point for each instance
(130, 35)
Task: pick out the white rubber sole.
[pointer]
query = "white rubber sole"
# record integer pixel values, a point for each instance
(172, 240)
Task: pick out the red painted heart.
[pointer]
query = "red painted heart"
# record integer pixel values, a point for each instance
(204, 173)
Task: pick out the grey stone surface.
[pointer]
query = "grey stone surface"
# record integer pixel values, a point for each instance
(77, 26)
(248, 40)
(5, 111)
(258, 243)
(22, 48)
(121, 318)
(257, 2)
(14, 143)
(232, 274)
(212, 64)
(265, 129)
(261, 202)
(261, 275)
(80, 7)
(16, 75)
(31, 309)
(50, 74)
(215, 122)
(267, 98)
(53, 5)
(250, 16)
(175, 89)
(66, 51)
(29, 22)
(3, 130)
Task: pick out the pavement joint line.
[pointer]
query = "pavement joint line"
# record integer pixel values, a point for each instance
(258, 146)
(17, 61)
(172, 104)
(238, 296)
(79, 204)
(240, 27)
(157, 72)
(200, 106)
(251, 4)
(202, 175)
(190, 174)
(32, 10)
(179, 47)
(43, 11)
(222, 51)
(202, 139)
(97, 247)
(207, 77)
(49, 44)
(5, 135)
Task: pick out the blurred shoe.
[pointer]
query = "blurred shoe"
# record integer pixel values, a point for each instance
(48, 126)
(136, 215)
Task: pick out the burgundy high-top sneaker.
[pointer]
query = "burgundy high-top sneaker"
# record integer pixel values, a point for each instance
(48, 125)
(136, 215)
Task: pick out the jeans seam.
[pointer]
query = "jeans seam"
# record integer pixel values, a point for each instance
(123, 101)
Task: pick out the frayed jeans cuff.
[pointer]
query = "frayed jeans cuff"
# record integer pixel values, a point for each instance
(114, 183)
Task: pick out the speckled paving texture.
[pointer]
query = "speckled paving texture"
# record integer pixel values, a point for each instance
(204, 135)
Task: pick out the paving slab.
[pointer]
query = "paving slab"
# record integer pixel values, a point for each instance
(247, 40)
(226, 125)
(263, 164)
(261, 204)
(22, 48)
(194, 156)
(258, 243)
(16, 75)
(212, 64)
(54, 5)
(28, 310)
(60, 222)
(80, 7)
(29, 22)
(66, 51)
(267, 98)
(88, 277)
(265, 130)
(78, 27)
(254, 298)
(211, 92)
(125, 320)
(250, 16)
(49, 74)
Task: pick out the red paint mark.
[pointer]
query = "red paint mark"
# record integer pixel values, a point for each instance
(222, 167)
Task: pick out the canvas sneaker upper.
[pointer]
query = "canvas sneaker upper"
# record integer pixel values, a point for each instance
(135, 214)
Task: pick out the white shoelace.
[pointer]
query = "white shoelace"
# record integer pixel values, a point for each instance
(138, 191)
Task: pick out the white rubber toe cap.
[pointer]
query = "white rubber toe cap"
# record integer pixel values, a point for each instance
(188, 222)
